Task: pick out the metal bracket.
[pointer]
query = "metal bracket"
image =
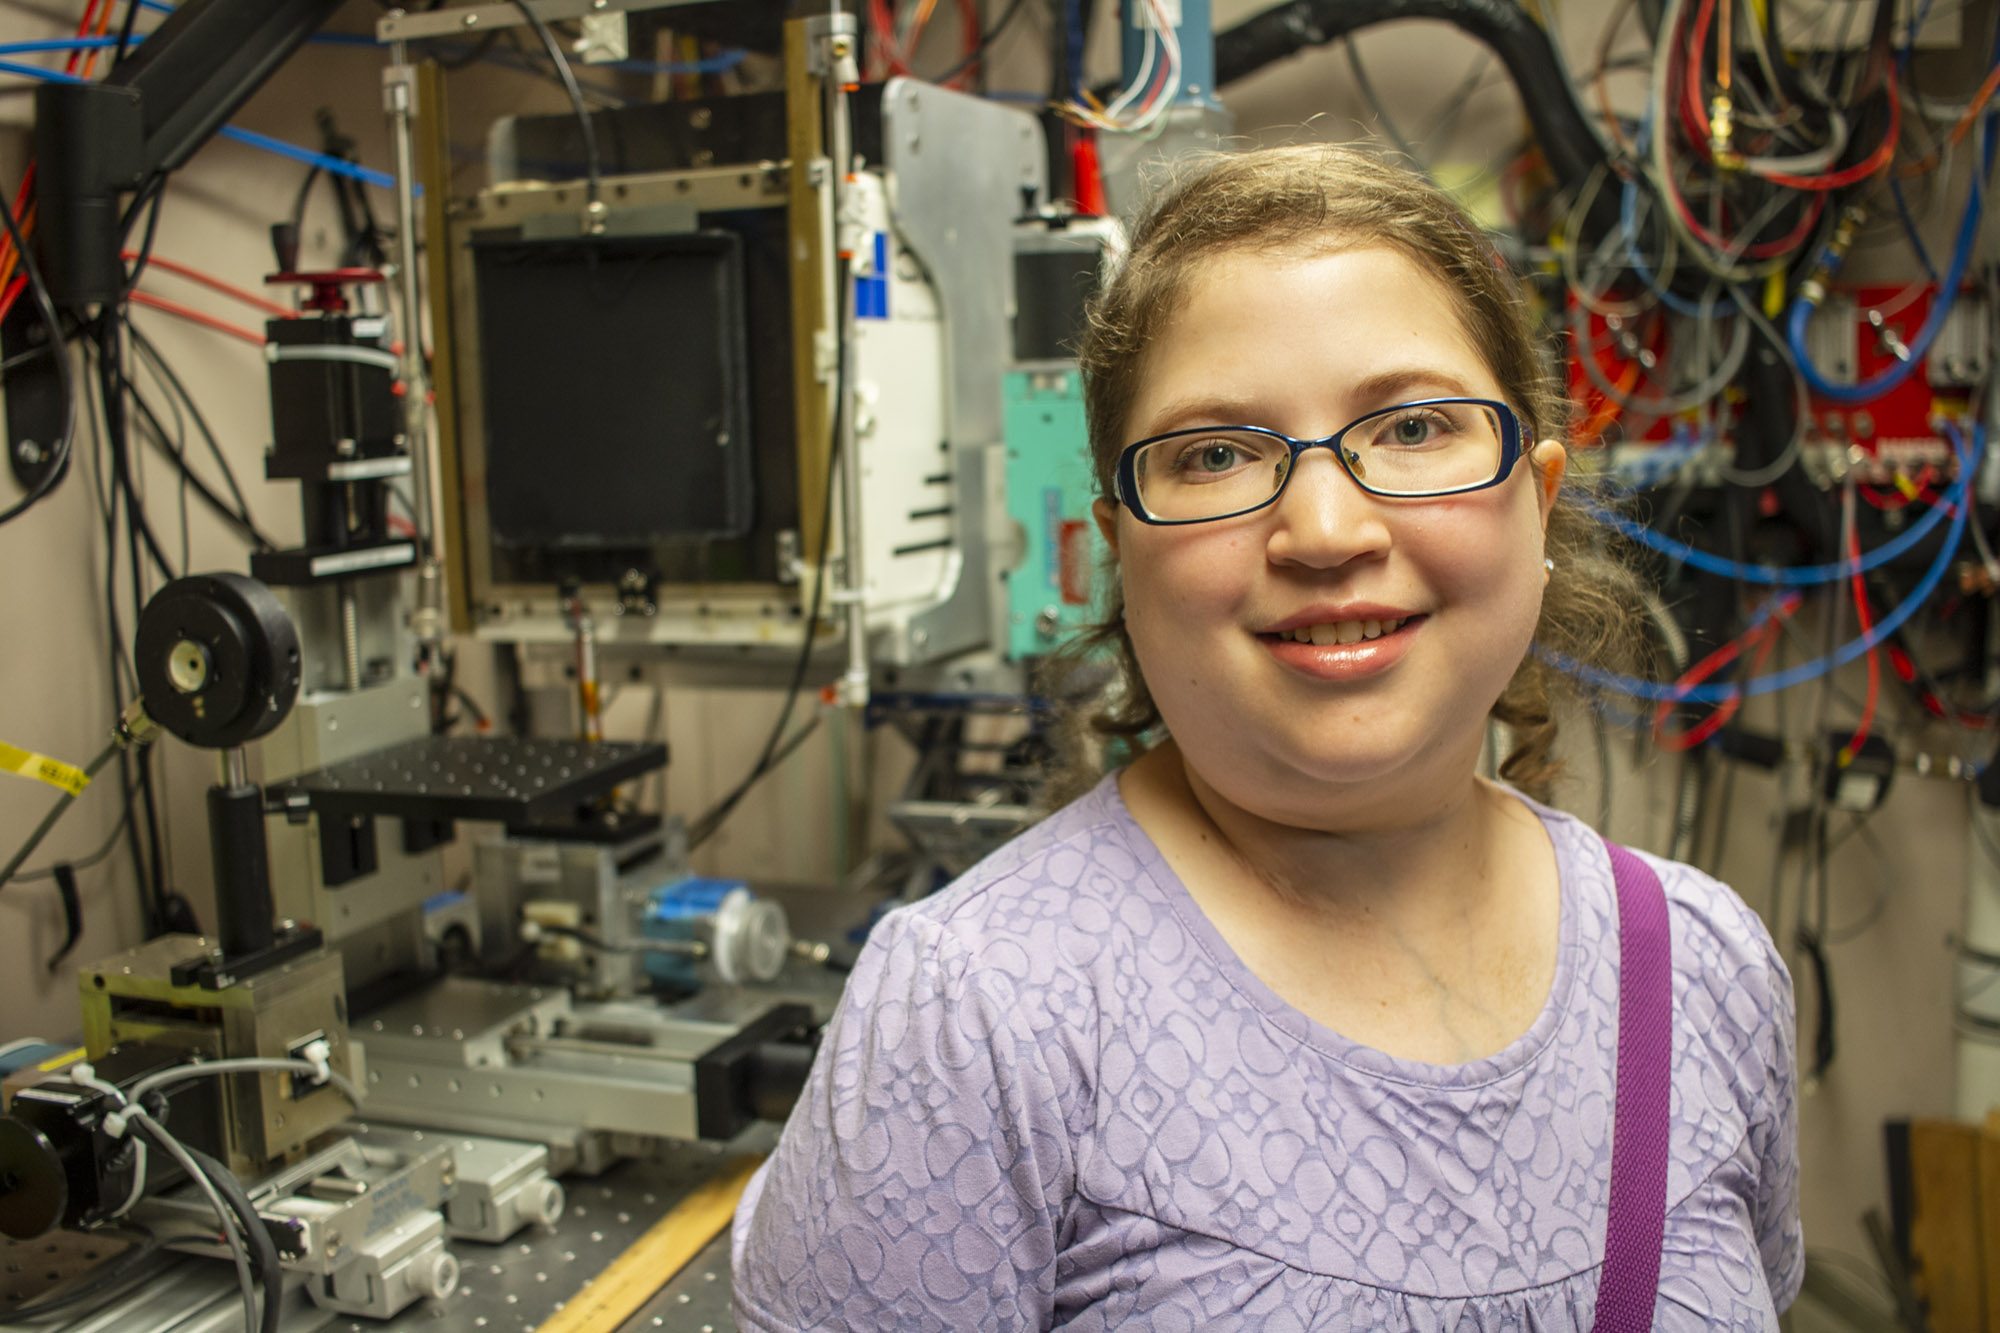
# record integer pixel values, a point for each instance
(398, 26)
(819, 29)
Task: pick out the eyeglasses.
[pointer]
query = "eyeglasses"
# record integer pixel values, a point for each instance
(1438, 446)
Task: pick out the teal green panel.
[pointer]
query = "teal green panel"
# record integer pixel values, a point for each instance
(1049, 491)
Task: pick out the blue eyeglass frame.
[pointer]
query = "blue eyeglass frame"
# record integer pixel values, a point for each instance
(1125, 480)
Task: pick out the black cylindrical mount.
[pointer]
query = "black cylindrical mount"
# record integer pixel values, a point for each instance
(242, 868)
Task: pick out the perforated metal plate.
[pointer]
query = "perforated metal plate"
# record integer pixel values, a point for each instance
(507, 779)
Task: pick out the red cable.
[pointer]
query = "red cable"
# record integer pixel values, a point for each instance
(1762, 638)
(1698, 125)
(103, 27)
(968, 26)
(884, 25)
(12, 294)
(22, 214)
(1854, 742)
(1906, 671)
(189, 313)
(213, 283)
(82, 30)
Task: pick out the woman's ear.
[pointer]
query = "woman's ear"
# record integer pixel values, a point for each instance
(1106, 514)
(1550, 461)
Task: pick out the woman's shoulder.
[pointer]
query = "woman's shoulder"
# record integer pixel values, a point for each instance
(1082, 874)
(1087, 851)
(1715, 932)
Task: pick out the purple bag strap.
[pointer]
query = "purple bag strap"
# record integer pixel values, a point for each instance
(1631, 1278)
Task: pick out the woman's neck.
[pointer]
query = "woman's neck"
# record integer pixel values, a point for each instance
(1429, 860)
(1432, 937)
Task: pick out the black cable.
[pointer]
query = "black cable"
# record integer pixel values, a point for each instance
(236, 518)
(111, 384)
(149, 863)
(986, 40)
(704, 827)
(108, 499)
(569, 84)
(57, 347)
(55, 813)
(151, 353)
(264, 1251)
(104, 849)
(125, 33)
(149, 199)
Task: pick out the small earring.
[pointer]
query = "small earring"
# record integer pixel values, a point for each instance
(1548, 568)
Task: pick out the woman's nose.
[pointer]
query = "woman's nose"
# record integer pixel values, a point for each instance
(1324, 518)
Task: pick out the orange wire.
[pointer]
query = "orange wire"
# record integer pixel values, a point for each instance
(192, 315)
(103, 27)
(24, 212)
(213, 283)
(82, 30)
(1929, 161)
(1609, 409)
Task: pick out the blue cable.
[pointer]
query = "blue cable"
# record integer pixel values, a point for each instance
(714, 64)
(1968, 462)
(1968, 232)
(36, 72)
(1800, 576)
(1895, 183)
(334, 165)
(60, 44)
(1910, 229)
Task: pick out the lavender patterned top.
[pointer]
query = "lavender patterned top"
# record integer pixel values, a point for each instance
(1054, 1097)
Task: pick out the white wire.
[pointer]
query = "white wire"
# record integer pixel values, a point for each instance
(83, 1074)
(253, 1065)
(1161, 40)
(1801, 414)
(227, 1218)
(134, 1113)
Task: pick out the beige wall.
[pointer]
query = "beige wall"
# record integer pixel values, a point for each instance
(1894, 983)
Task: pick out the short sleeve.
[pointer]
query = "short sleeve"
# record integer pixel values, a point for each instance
(921, 1180)
(1774, 1135)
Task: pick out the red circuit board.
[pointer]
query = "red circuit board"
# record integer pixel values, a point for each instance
(1896, 432)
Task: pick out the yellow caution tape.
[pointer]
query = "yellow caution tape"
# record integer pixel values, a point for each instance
(55, 772)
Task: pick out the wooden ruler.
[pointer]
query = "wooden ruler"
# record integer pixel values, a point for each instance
(651, 1261)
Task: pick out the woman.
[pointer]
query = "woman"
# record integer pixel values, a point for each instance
(1296, 1022)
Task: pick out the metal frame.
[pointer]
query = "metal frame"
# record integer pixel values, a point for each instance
(398, 26)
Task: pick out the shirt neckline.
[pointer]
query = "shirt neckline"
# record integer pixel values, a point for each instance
(1509, 1060)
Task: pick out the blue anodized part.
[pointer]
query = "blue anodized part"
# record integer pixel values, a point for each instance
(682, 910)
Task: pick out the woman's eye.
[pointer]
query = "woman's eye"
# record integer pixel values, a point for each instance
(1217, 458)
(1414, 431)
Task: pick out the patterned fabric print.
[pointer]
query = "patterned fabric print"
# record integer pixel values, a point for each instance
(1053, 1097)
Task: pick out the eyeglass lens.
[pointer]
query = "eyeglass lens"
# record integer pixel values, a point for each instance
(1415, 449)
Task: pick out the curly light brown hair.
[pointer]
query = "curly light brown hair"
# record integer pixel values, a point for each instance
(1316, 198)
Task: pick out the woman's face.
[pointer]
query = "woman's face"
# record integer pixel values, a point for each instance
(1334, 734)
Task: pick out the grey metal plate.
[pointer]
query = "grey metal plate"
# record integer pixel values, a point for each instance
(514, 1287)
(508, 1288)
(696, 1301)
(453, 1010)
(513, 780)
